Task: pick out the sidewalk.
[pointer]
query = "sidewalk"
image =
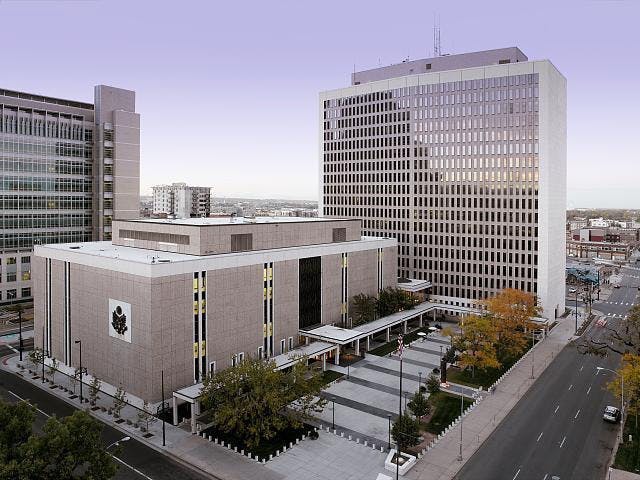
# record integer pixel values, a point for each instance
(621, 475)
(441, 462)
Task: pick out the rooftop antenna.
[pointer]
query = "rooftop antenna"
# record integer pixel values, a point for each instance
(437, 50)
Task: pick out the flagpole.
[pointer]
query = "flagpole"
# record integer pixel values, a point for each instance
(400, 346)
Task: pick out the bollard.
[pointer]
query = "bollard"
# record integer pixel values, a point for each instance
(365, 443)
(210, 438)
(342, 434)
(349, 437)
(270, 456)
(215, 440)
(277, 453)
(242, 452)
(235, 449)
(290, 444)
(357, 440)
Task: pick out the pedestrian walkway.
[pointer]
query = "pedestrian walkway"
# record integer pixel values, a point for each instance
(621, 475)
(440, 462)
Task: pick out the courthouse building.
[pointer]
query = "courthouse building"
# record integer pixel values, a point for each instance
(194, 295)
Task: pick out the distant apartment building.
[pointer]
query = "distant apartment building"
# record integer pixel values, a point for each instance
(577, 223)
(600, 222)
(68, 169)
(462, 159)
(180, 200)
(599, 249)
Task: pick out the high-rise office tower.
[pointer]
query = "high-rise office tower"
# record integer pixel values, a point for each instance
(462, 158)
(180, 200)
(67, 169)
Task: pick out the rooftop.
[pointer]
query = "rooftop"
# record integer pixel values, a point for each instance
(232, 220)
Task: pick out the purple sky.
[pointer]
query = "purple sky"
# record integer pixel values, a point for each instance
(228, 90)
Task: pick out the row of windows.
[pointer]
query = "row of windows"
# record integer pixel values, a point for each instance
(154, 236)
(12, 293)
(18, 146)
(45, 202)
(44, 127)
(45, 221)
(66, 167)
(29, 239)
(45, 184)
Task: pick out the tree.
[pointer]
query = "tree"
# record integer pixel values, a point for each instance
(629, 370)
(94, 390)
(119, 401)
(511, 312)
(392, 300)
(419, 405)
(35, 357)
(477, 343)
(52, 369)
(433, 384)
(250, 400)
(619, 339)
(363, 308)
(73, 379)
(145, 416)
(68, 448)
(405, 431)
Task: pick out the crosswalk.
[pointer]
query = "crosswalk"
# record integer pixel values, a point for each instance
(628, 304)
(616, 315)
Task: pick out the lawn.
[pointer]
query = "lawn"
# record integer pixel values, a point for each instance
(446, 408)
(628, 454)
(329, 376)
(392, 346)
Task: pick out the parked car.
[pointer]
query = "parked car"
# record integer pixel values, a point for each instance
(572, 290)
(616, 285)
(611, 414)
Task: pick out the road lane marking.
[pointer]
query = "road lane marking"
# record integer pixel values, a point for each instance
(588, 390)
(581, 367)
(539, 436)
(556, 410)
(562, 442)
(570, 386)
(516, 475)
(113, 456)
(545, 476)
(577, 413)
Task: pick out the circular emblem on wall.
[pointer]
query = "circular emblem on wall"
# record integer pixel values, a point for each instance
(120, 320)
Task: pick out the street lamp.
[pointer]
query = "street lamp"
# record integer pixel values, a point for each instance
(79, 343)
(164, 443)
(333, 411)
(461, 419)
(621, 402)
(115, 444)
(389, 440)
(576, 311)
(533, 352)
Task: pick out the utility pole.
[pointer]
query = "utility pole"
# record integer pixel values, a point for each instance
(164, 443)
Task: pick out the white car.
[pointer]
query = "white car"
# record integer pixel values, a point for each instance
(572, 290)
(611, 414)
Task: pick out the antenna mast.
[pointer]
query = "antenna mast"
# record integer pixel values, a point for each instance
(437, 50)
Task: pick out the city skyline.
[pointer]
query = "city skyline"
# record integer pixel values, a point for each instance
(200, 89)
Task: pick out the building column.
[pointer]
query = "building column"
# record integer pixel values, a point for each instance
(404, 327)
(193, 418)
(368, 342)
(324, 362)
(420, 324)
(306, 340)
(434, 315)
(175, 412)
(358, 347)
(337, 354)
(388, 334)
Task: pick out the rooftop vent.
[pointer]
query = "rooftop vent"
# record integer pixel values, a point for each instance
(74, 247)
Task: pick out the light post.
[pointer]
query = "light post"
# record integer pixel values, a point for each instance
(19, 311)
(115, 444)
(163, 408)
(576, 311)
(400, 348)
(533, 352)
(348, 365)
(389, 440)
(621, 402)
(79, 343)
(461, 418)
(406, 395)
(333, 411)
(420, 379)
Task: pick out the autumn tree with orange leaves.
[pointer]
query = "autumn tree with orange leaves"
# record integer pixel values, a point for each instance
(511, 313)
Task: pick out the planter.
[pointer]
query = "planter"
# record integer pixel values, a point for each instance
(406, 462)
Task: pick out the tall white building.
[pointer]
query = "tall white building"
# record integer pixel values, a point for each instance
(462, 159)
(180, 200)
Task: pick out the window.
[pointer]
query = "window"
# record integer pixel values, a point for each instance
(155, 236)
(281, 344)
(290, 343)
(502, 62)
(241, 357)
(339, 234)
(11, 294)
(24, 260)
(212, 368)
(241, 242)
(26, 292)
(428, 66)
(260, 354)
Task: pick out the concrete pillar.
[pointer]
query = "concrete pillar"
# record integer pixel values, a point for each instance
(193, 418)
(404, 327)
(388, 334)
(357, 347)
(420, 324)
(306, 340)
(368, 342)
(434, 315)
(175, 412)
(324, 362)
(197, 407)
(337, 354)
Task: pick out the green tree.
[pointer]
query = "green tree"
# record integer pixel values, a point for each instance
(406, 431)
(433, 383)
(145, 416)
(52, 369)
(363, 308)
(35, 357)
(251, 399)
(94, 390)
(68, 448)
(15, 428)
(119, 401)
(392, 300)
(419, 405)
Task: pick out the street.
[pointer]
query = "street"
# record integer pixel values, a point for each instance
(557, 428)
(137, 461)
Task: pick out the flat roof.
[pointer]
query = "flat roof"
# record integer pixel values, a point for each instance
(209, 221)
